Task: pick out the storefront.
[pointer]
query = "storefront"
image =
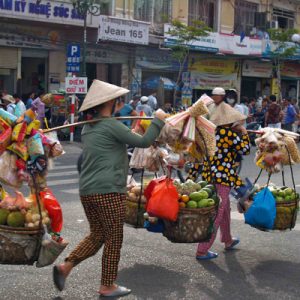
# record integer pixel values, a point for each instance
(290, 76)
(207, 73)
(256, 78)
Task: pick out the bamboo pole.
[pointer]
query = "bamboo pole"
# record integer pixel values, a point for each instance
(95, 121)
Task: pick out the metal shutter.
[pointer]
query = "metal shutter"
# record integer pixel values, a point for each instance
(8, 58)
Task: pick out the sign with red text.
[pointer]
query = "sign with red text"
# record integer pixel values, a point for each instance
(76, 85)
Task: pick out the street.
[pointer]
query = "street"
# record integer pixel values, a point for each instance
(265, 265)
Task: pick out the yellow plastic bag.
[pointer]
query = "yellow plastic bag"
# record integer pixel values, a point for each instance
(35, 124)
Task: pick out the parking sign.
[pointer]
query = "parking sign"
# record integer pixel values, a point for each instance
(73, 58)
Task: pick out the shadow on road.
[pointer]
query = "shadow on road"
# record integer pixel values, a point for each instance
(277, 277)
(153, 282)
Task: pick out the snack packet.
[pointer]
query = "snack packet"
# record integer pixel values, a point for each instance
(35, 146)
(19, 132)
(20, 149)
(7, 117)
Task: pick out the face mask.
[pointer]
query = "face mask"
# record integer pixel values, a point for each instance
(230, 100)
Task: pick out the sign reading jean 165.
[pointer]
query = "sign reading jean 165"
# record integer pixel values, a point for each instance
(123, 30)
(76, 85)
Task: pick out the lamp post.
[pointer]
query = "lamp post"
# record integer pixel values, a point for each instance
(85, 7)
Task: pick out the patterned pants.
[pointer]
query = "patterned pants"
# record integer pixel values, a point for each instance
(105, 214)
(222, 220)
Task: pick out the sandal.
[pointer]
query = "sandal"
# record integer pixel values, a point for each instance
(235, 241)
(118, 292)
(58, 278)
(209, 255)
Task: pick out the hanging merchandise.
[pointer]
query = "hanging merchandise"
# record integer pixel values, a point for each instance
(26, 222)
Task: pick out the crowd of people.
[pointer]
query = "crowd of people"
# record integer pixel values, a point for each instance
(268, 112)
(16, 106)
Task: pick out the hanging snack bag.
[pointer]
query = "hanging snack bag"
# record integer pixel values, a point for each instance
(5, 135)
(34, 125)
(8, 170)
(35, 146)
(20, 149)
(7, 117)
(19, 132)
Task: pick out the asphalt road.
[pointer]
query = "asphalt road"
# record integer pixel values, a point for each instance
(266, 265)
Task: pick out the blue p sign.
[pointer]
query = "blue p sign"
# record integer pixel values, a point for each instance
(73, 50)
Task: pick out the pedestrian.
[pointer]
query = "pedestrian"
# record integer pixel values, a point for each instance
(273, 114)
(232, 139)
(168, 107)
(152, 101)
(31, 96)
(244, 105)
(20, 106)
(252, 110)
(39, 107)
(125, 110)
(289, 115)
(144, 107)
(297, 109)
(102, 184)
(134, 101)
(9, 104)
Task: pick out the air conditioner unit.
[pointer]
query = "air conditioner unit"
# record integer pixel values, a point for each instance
(274, 24)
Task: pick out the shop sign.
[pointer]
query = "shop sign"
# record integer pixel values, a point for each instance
(220, 43)
(50, 11)
(123, 30)
(257, 69)
(106, 56)
(291, 70)
(76, 85)
(209, 73)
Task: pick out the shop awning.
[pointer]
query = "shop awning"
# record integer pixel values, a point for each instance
(152, 83)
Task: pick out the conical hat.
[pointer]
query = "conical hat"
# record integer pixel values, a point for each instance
(224, 114)
(101, 92)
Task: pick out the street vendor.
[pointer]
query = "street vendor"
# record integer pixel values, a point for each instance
(102, 184)
(231, 140)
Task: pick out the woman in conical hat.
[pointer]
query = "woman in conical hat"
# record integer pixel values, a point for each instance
(102, 184)
(231, 139)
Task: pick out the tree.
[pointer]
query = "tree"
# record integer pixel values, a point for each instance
(283, 49)
(185, 36)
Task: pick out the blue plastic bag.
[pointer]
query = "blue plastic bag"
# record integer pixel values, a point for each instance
(157, 227)
(262, 212)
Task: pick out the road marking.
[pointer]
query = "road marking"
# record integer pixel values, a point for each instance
(61, 173)
(71, 191)
(63, 167)
(62, 182)
(235, 215)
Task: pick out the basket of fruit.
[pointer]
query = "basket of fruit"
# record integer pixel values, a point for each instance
(198, 208)
(135, 207)
(286, 207)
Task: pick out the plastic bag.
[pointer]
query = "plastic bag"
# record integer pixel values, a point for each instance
(137, 160)
(33, 125)
(7, 117)
(8, 170)
(163, 202)
(54, 209)
(50, 250)
(19, 132)
(151, 185)
(35, 146)
(5, 135)
(20, 149)
(262, 212)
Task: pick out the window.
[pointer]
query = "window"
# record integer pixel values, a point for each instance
(203, 10)
(284, 18)
(105, 7)
(153, 11)
(244, 16)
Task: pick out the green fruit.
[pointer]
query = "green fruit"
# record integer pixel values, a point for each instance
(288, 191)
(288, 198)
(211, 187)
(280, 193)
(3, 215)
(274, 192)
(208, 191)
(278, 199)
(192, 204)
(16, 219)
(202, 183)
(210, 202)
(202, 203)
(197, 196)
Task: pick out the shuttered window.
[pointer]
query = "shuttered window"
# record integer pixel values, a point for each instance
(8, 58)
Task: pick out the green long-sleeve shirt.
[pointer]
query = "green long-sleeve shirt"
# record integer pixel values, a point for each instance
(105, 164)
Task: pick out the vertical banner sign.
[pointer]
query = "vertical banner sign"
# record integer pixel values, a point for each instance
(75, 85)
(186, 92)
(73, 58)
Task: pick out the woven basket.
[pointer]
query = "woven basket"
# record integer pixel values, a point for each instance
(133, 215)
(18, 246)
(286, 215)
(193, 225)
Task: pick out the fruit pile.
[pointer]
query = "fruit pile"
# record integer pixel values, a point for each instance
(133, 194)
(196, 195)
(19, 211)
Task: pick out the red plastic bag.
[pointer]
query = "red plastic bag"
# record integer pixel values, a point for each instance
(163, 202)
(54, 209)
(151, 185)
